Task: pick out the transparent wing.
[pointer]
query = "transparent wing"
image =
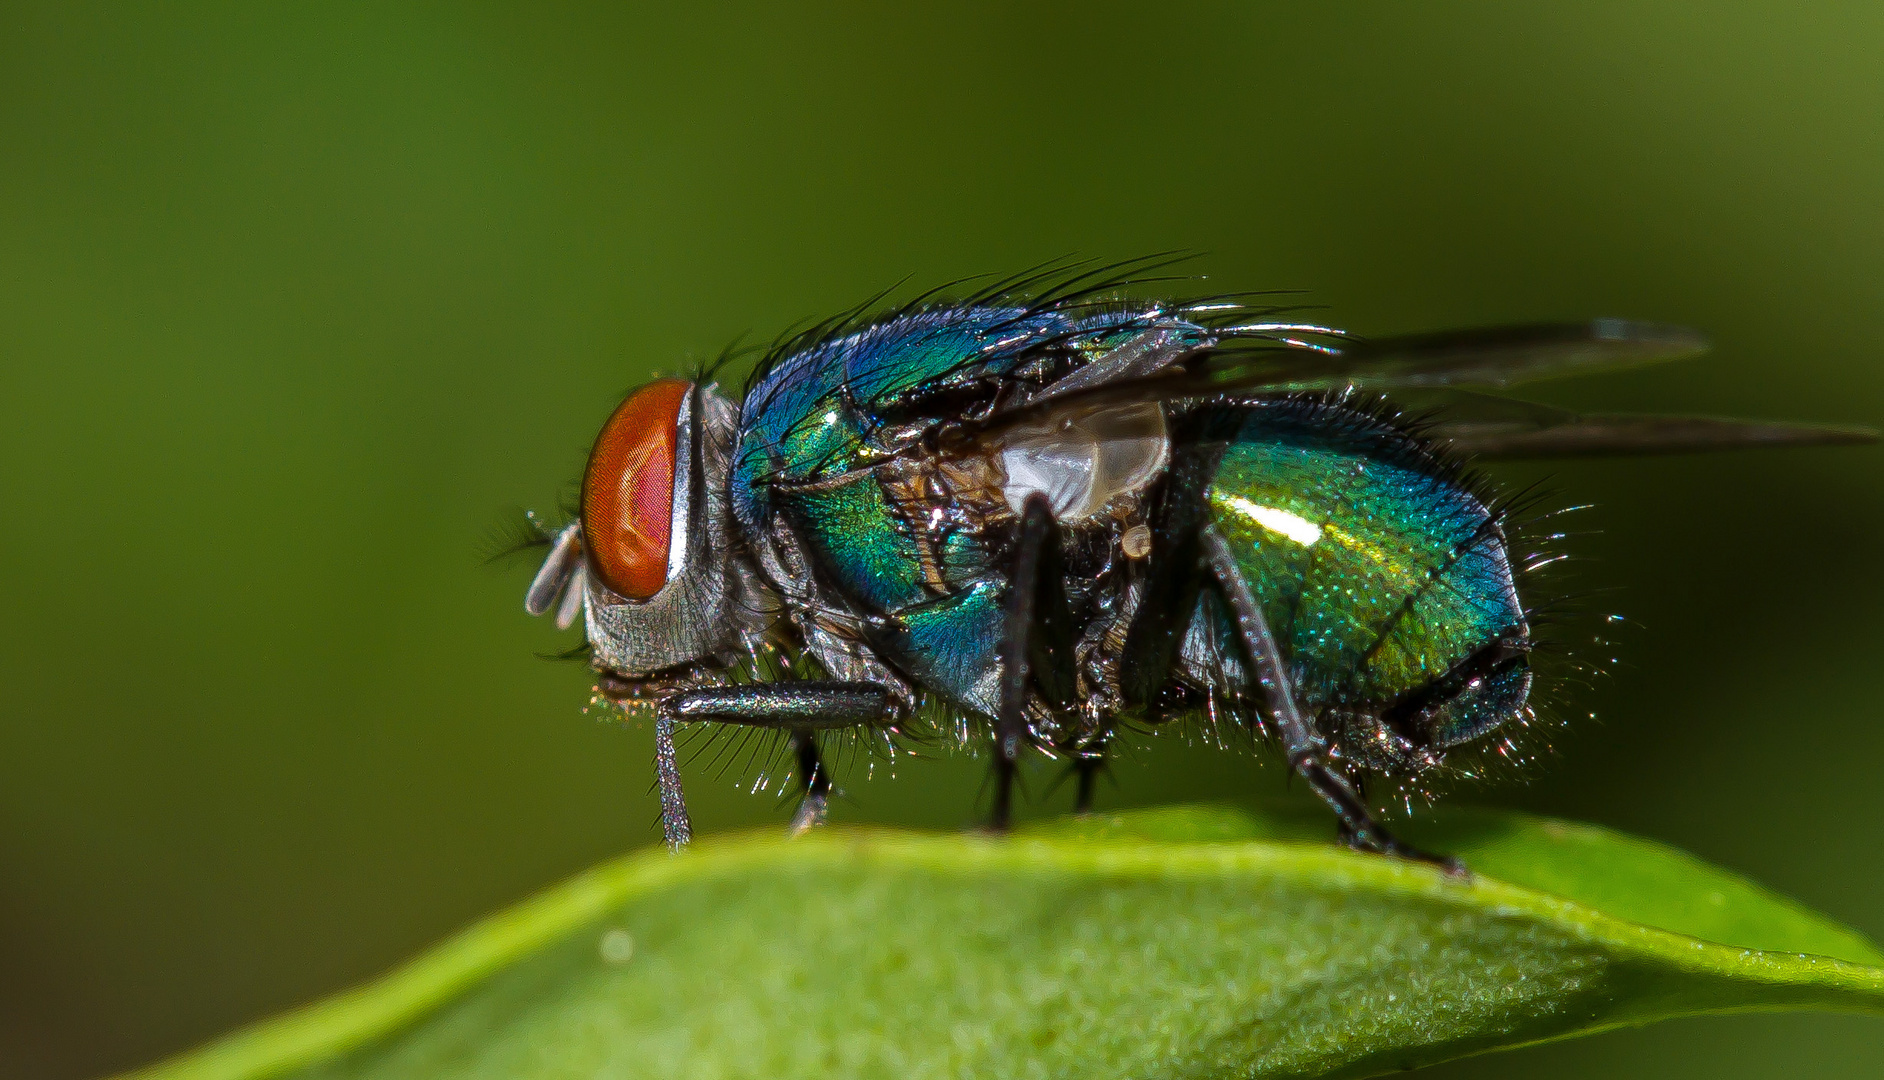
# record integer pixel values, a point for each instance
(1492, 428)
(1487, 357)
(1495, 356)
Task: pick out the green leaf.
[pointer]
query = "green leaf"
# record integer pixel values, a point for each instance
(1186, 942)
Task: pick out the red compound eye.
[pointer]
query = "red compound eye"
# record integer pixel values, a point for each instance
(628, 491)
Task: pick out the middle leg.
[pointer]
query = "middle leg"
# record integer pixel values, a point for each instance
(1087, 765)
(1036, 645)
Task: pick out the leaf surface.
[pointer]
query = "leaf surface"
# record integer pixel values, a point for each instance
(1183, 942)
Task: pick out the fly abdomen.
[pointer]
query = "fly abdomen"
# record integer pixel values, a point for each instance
(1379, 569)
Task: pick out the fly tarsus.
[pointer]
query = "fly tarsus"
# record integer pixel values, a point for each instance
(676, 826)
(1381, 842)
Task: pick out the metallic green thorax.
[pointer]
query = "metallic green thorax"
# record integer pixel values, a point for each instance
(1378, 570)
(910, 571)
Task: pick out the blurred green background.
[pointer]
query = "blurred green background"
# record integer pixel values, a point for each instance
(296, 300)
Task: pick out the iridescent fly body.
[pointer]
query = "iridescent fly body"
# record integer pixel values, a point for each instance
(1047, 515)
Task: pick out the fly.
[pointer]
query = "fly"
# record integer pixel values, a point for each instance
(1050, 513)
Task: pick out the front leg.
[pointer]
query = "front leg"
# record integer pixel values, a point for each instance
(802, 708)
(676, 826)
(1306, 754)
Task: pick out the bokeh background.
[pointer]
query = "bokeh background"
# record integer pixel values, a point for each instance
(295, 300)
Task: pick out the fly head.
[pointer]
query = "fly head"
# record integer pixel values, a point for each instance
(655, 581)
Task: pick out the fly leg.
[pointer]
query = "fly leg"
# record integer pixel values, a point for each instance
(815, 781)
(1086, 760)
(1036, 645)
(1307, 755)
(676, 826)
(1168, 597)
(1087, 765)
(803, 708)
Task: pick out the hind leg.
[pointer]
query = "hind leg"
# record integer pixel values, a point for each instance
(1306, 754)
